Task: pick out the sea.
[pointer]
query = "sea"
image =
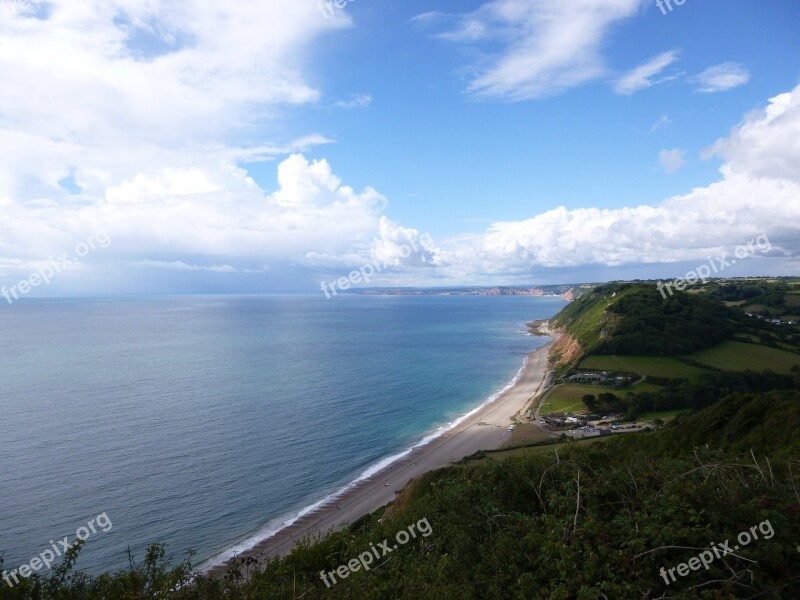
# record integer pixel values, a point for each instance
(207, 423)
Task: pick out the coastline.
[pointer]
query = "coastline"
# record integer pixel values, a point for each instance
(483, 428)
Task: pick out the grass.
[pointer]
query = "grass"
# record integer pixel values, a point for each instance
(532, 449)
(568, 398)
(656, 366)
(666, 415)
(585, 322)
(526, 434)
(645, 387)
(739, 356)
(792, 299)
(756, 308)
(748, 337)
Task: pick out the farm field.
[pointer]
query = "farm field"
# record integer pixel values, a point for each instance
(739, 356)
(656, 366)
(792, 299)
(644, 387)
(545, 449)
(756, 308)
(666, 415)
(566, 398)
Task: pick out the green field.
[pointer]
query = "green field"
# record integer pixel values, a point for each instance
(739, 356)
(756, 308)
(566, 398)
(792, 299)
(645, 387)
(544, 449)
(747, 337)
(666, 415)
(656, 366)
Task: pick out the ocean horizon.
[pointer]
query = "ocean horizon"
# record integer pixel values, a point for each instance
(210, 422)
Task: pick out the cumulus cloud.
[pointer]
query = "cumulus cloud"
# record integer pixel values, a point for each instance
(398, 246)
(721, 78)
(127, 115)
(223, 219)
(547, 46)
(100, 90)
(767, 143)
(153, 96)
(213, 213)
(759, 193)
(644, 76)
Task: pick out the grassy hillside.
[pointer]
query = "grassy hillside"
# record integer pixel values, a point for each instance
(681, 343)
(636, 319)
(585, 318)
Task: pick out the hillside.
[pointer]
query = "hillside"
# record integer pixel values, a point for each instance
(639, 354)
(635, 319)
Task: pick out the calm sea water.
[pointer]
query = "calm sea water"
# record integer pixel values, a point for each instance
(201, 421)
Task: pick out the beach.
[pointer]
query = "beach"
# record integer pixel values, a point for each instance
(484, 429)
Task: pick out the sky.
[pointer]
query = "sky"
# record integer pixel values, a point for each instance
(263, 146)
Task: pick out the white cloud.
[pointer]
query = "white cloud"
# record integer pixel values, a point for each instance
(721, 78)
(355, 101)
(759, 193)
(399, 246)
(672, 160)
(102, 90)
(149, 132)
(547, 46)
(767, 143)
(707, 221)
(643, 76)
(215, 213)
(179, 265)
(223, 220)
(663, 121)
(426, 16)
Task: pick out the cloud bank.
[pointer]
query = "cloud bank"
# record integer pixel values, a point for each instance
(127, 116)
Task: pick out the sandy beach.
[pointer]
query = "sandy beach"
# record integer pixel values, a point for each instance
(485, 430)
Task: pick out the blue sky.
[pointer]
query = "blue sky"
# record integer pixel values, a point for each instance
(587, 147)
(267, 147)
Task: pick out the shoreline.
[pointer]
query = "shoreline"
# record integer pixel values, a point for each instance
(483, 428)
